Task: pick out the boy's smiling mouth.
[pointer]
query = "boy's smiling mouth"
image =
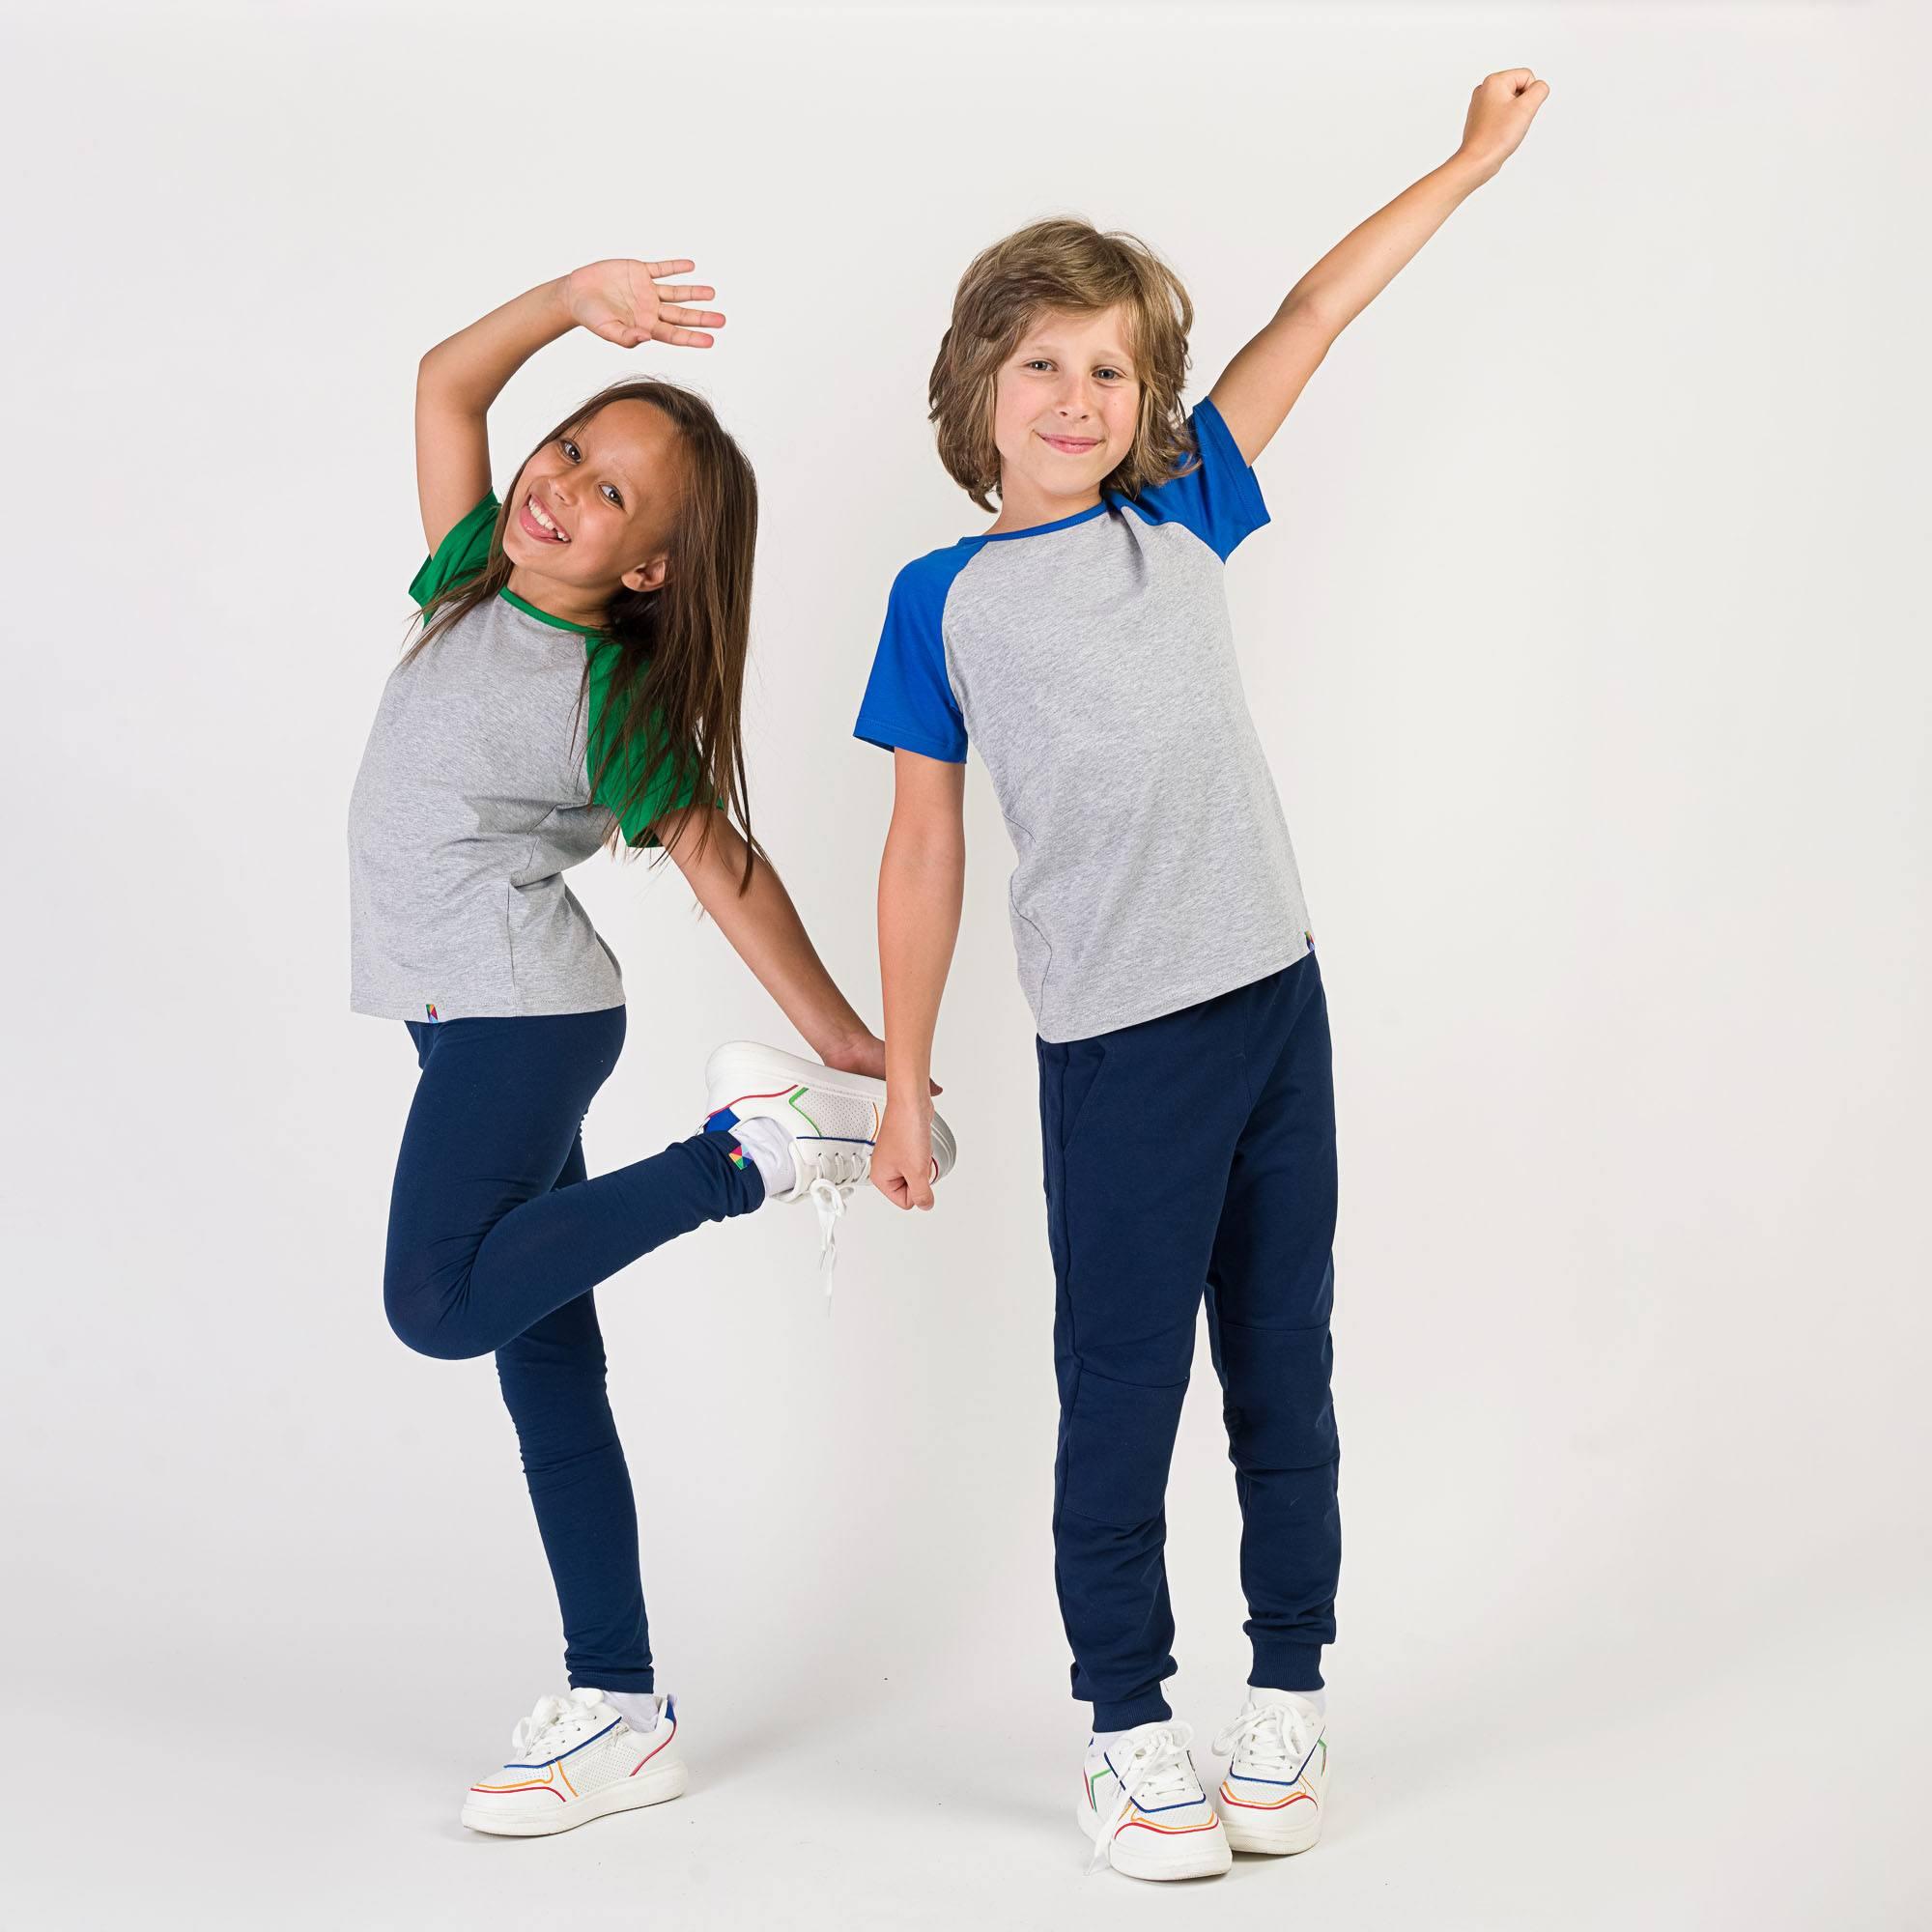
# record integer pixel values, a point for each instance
(538, 524)
(1071, 445)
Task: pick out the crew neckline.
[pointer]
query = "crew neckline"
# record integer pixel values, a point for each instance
(529, 610)
(1085, 516)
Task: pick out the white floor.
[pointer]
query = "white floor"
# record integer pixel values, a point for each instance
(1602, 1664)
(1531, 1792)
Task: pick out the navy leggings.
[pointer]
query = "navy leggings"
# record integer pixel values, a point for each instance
(1193, 1154)
(497, 1237)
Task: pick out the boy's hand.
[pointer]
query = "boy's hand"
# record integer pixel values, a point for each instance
(623, 302)
(1500, 112)
(902, 1156)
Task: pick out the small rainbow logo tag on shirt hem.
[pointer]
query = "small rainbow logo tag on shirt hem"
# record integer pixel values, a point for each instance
(428, 1010)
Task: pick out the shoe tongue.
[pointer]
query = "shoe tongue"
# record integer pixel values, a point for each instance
(1155, 1740)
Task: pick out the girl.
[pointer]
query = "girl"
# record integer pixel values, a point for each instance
(577, 680)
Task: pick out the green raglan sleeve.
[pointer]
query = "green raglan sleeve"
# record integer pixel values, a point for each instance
(462, 554)
(673, 786)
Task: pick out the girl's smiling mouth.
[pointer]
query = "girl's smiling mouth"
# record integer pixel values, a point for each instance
(1071, 445)
(537, 523)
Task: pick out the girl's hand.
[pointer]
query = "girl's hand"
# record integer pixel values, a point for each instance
(623, 302)
(865, 1053)
(902, 1156)
(1500, 112)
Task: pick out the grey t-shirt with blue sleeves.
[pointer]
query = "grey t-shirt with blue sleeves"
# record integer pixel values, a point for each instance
(1092, 661)
(475, 797)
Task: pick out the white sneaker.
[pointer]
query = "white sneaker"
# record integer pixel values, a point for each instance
(1277, 1748)
(833, 1119)
(577, 1759)
(1144, 1810)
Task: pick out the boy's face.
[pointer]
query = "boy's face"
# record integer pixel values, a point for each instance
(606, 486)
(1065, 404)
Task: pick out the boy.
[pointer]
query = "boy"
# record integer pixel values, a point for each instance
(1083, 644)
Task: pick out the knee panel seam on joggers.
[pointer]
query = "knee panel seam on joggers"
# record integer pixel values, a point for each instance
(561, 1467)
(1276, 1401)
(1117, 1445)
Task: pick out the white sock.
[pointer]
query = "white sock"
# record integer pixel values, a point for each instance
(770, 1146)
(1259, 1693)
(1105, 1740)
(638, 1707)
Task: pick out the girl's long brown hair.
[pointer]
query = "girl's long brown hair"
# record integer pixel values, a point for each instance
(676, 691)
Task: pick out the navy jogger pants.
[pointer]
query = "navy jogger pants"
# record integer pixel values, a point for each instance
(497, 1237)
(1191, 1154)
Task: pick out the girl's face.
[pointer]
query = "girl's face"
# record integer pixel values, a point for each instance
(1066, 406)
(593, 509)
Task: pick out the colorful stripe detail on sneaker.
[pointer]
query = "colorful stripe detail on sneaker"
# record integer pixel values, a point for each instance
(671, 1712)
(1272, 1804)
(1137, 1820)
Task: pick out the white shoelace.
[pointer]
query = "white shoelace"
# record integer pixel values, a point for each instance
(555, 1723)
(1270, 1737)
(837, 1172)
(1157, 1772)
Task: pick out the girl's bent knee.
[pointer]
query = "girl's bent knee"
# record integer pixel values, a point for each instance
(421, 1322)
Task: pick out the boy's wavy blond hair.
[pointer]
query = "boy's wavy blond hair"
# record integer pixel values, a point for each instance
(1068, 265)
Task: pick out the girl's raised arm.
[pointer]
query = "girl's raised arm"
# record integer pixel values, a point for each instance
(458, 380)
(1260, 386)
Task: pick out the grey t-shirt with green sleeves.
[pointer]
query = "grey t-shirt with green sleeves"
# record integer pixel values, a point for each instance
(1091, 662)
(473, 799)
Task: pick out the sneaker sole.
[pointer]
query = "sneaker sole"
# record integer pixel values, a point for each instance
(743, 1067)
(654, 1788)
(1257, 1841)
(1209, 1861)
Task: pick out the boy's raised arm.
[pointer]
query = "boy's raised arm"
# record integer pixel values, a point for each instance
(921, 880)
(1260, 386)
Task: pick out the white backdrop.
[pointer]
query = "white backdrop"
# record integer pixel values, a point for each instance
(1588, 647)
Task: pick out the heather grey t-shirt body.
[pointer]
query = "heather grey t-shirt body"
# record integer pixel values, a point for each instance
(474, 798)
(1091, 662)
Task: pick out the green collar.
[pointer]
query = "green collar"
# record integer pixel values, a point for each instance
(544, 617)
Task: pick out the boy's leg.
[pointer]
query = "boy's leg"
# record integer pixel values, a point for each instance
(552, 1382)
(1270, 1289)
(1138, 1128)
(480, 1247)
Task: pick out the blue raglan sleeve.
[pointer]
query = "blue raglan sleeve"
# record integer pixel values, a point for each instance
(909, 704)
(1220, 500)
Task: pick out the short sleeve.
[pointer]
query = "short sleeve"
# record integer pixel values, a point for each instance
(670, 787)
(909, 704)
(462, 554)
(1219, 500)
